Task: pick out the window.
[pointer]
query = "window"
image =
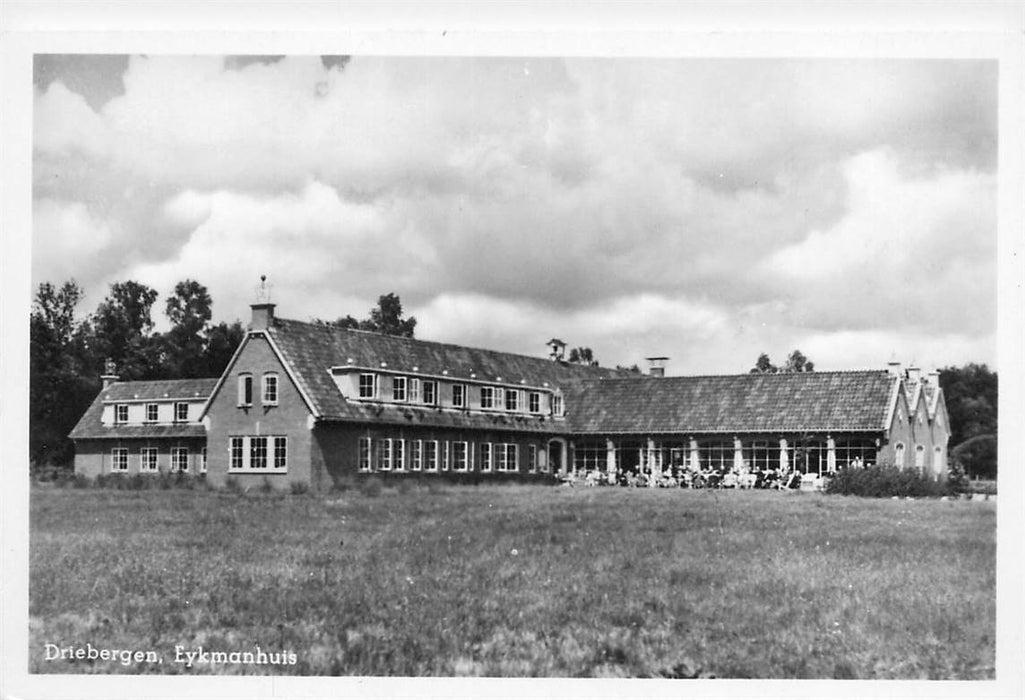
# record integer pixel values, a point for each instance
(399, 456)
(431, 455)
(512, 400)
(202, 461)
(152, 413)
(531, 458)
(245, 390)
(459, 395)
(487, 397)
(459, 458)
(445, 456)
(534, 402)
(399, 389)
(919, 457)
(270, 389)
(417, 456)
(506, 457)
(414, 390)
(280, 452)
(121, 413)
(430, 392)
(557, 409)
(486, 460)
(256, 453)
(181, 411)
(119, 459)
(384, 455)
(898, 454)
(236, 453)
(148, 459)
(364, 454)
(179, 459)
(368, 386)
(499, 397)
(500, 457)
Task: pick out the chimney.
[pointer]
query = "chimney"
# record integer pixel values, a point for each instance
(895, 369)
(656, 366)
(934, 378)
(914, 374)
(263, 309)
(109, 375)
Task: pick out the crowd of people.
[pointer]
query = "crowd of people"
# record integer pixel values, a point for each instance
(687, 477)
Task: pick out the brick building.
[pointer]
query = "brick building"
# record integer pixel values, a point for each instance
(308, 403)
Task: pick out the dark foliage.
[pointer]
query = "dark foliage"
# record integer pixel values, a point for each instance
(977, 456)
(970, 393)
(885, 481)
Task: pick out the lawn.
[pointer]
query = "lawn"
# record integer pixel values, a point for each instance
(516, 581)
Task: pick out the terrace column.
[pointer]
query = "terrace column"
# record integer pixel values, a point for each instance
(653, 466)
(571, 467)
(738, 454)
(695, 457)
(784, 456)
(610, 458)
(830, 454)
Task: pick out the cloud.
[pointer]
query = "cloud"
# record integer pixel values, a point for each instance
(66, 236)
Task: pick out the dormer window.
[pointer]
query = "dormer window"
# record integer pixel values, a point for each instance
(557, 407)
(512, 400)
(152, 412)
(245, 390)
(181, 411)
(459, 395)
(534, 402)
(368, 385)
(270, 389)
(414, 390)
(121, 413)
(487, 397)
(399, 389)
(431, 392)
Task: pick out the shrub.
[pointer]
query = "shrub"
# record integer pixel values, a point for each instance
(371, 486)
(299, 488)
(883, 481)
(81, 481)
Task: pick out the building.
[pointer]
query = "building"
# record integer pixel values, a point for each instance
(314, 404)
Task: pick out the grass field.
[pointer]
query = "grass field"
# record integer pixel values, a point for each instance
(518, 581)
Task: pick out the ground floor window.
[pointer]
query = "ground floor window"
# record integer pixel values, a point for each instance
(251, 453)
(119, 459)
(148, 459)
(202, 461)
(507, 457)
(179, 459)
(399, 456)
(717, 454)
(417, 455)
(531, 458)
(460, 460)
(486, 459)
(588, 456)
(364, 454)
(431, 455)
(855, 452)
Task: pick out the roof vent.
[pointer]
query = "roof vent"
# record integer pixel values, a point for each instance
(263, 309)
(558, 348)
(657, 366)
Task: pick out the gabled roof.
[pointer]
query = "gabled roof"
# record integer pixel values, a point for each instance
(90, 425)
(310, 350)
(795, 402)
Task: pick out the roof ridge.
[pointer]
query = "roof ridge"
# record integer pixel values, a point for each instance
(637, 377)
(437, 343)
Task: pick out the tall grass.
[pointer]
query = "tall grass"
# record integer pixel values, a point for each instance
(520, 581)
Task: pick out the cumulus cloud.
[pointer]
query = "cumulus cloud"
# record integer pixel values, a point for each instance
(769, 194)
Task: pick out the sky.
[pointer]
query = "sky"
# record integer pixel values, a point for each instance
(704, 209)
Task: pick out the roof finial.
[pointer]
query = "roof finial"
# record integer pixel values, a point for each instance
(263, 291)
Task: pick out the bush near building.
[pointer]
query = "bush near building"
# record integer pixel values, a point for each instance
(886, 481)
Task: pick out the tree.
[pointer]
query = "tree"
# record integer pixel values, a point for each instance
(796, 362)
(385, 318)
(970, 393)
(61, 381)
(764, 365)
(183, 347)
(123, 326)
(221, 342)
(582, 356)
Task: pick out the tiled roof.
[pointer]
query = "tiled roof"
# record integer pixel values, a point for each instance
(312, 349)
(807, 401)
(163, 389)
(90, 425)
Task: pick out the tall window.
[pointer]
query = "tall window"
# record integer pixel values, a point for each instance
(179, 459)
(557, 408)
(399, 389)
(414, 390)
(919, 457)
(459, 395)
(531, 458)
(202, 461)
(119, 459)
(445, 453)
(384, 455)
(245, 390)
(280, 452)
(121, 413)
(534, 402)
(270, 389)
(368, 386)
(486, 459)
(364, 454)
(459, 458)
(487, 397)
(399, 456)
(152, 412)
(236, 453)
(430, 392)
(148, 459)
(501, 463)
(898, 455)
(431, 455)
(512, 400)
(181, 411)
(416, 448)
(258, 452)
(512, 457)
